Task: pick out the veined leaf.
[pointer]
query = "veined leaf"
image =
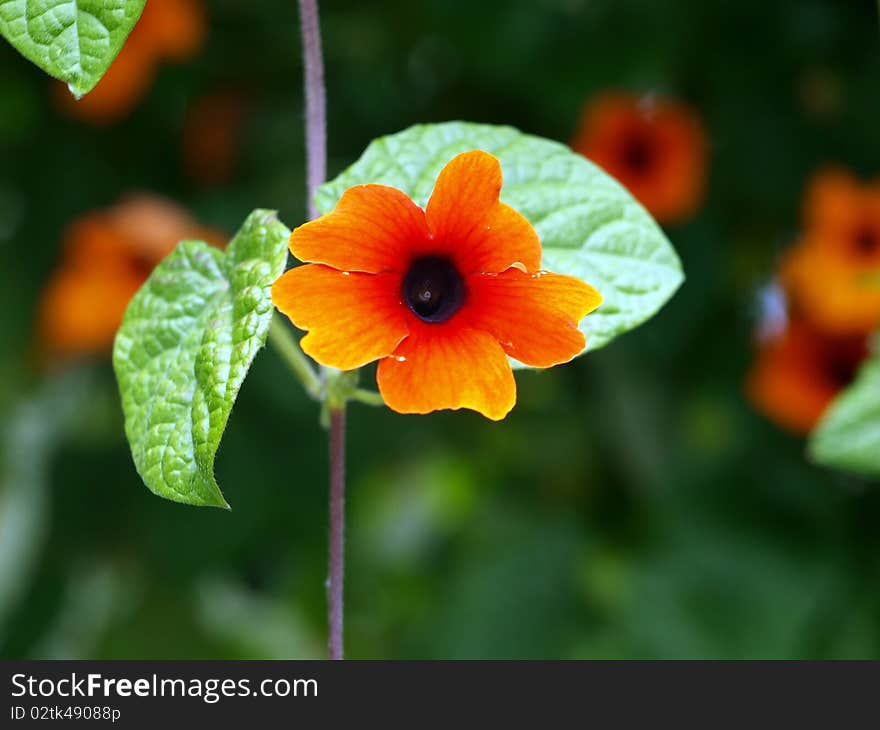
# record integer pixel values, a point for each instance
(185, 345)
(590, 226)
(72, 40)
(848, 436)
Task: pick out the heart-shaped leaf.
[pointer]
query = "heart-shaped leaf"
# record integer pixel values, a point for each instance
(590, 226)
(72, 40)
(183, 350)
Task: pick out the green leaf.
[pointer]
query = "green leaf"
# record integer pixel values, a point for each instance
(848, 436)
(72, 40)
(183, 350)
(590, 226)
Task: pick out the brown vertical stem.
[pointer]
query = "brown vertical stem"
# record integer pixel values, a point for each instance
(337, 532)
(316, 101)
(316, 171)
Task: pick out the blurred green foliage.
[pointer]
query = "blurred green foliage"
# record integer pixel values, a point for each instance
(632, 505)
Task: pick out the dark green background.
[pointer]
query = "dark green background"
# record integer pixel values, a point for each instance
(632, 505)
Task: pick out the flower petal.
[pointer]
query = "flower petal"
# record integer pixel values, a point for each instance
(373, 228)
(442, 366)
(796, 376)
(831, 202)
(351, 318)
(82, 305)
(656, 148)
(469, 222)
(837, 294)
(175, 27)
(534, 316)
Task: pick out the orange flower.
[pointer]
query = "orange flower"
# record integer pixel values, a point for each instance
(440, 296)
(655, 147)
(833, 274)
(108, 254)
(167, 29)
(797, 374)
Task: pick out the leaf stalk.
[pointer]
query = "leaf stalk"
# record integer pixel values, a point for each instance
(285, 343)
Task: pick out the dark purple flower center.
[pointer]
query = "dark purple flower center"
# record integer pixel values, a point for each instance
(638, 154)
(840, 360)
(867, 240)
(433, 289)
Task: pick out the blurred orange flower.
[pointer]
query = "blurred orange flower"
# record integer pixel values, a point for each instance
(797, 374)
(440, 297)
(833, 275)
(167, 29)
(655, 147)
(107, 255)
(211, 136)
(831, 282)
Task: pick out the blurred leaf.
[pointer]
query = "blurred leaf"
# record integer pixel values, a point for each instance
(401, 512)
(513, 592)
(848, 436)
(30, 436)
(72, 40)
(713, 594)
(184, 348)
(259, 626)
(590, 226)
(99, 593)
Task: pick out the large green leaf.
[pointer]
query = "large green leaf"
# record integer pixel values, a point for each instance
(848, 436)
(590, 226)
(185, 345)
(72, 40)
